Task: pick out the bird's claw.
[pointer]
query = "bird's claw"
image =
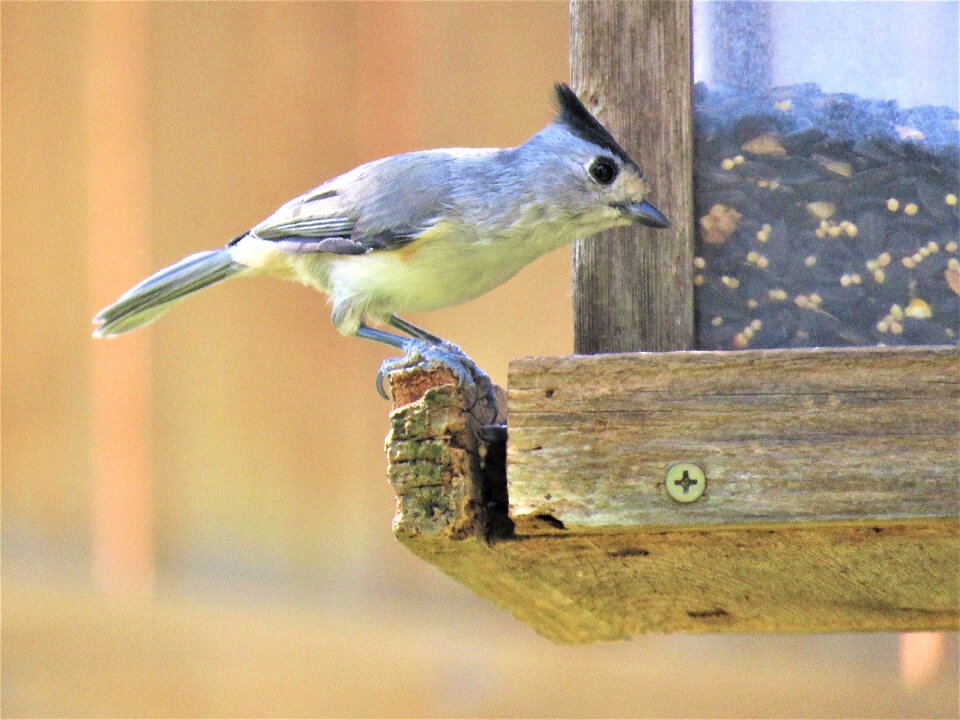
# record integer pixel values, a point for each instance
(381, 376)
(426, 353)
(430, 354)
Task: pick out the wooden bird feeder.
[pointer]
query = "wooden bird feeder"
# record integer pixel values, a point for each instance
(642, 485)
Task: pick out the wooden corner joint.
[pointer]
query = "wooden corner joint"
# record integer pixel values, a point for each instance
(446, 462)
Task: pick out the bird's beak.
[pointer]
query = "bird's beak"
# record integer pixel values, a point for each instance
(646, 213)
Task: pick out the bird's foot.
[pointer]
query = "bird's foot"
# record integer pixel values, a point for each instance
(476, 385)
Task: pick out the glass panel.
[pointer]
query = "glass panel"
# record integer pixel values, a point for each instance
(827, 173)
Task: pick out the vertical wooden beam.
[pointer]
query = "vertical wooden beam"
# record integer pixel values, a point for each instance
(631, 64)
(119, 211)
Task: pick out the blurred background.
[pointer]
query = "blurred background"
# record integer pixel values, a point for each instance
(195, 518)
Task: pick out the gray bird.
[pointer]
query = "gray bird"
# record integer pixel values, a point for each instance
(421, 230)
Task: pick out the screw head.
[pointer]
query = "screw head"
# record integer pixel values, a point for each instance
(685, 482)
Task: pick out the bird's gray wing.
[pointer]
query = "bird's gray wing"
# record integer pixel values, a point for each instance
(382, 205)
(312, 223)
(317, 223)
(384, 240)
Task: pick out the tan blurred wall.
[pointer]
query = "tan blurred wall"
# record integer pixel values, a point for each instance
(43, 191)
(264, 437)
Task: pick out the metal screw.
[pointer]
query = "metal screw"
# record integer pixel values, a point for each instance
(685, 482)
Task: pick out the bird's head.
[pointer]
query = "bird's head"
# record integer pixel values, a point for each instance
(584, 168)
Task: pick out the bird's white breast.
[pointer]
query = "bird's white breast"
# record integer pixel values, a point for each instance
(445, 266)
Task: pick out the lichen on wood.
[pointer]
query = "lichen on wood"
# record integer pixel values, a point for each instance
(439, 450)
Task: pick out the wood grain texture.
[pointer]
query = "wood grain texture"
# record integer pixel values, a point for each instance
(782, 435)
(587, 585)
(831, 505)
(630, 63)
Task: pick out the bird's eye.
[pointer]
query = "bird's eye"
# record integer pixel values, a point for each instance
(604, 170)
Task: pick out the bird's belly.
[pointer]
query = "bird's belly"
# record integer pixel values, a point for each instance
(415, 282)
(428, 274)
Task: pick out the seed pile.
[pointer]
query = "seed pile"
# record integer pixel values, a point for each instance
(825, 219)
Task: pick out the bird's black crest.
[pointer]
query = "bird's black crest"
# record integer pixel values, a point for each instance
(578, 120)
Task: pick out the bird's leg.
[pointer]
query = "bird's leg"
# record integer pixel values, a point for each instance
(427, 349)
(368, 333)
(414, 331)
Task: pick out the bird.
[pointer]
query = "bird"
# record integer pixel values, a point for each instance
(421, 230)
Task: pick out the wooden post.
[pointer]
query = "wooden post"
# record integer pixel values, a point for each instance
(631, 65)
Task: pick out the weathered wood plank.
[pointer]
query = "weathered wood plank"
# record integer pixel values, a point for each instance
(869, 542)
(782, 435)
(630, 63)
(580, 586)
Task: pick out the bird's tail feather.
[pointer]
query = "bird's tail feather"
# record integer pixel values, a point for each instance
(151, 298)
